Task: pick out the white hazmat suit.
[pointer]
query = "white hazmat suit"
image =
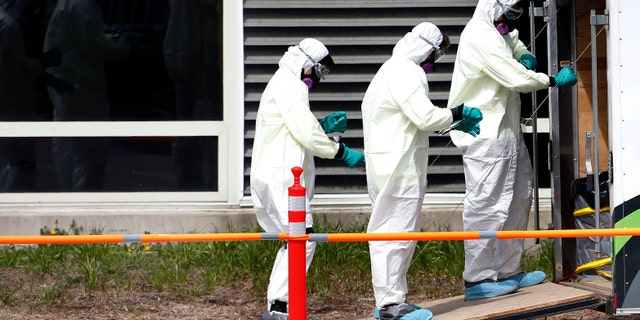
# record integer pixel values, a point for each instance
(18, 75)
(189, 49)
(498, 172)
(288, 134)
(397, 115)
(76, 28)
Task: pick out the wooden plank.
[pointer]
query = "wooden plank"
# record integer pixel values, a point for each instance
(533, 299)
(603, 288)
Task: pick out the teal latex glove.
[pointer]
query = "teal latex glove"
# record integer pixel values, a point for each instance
(352, 157)
(565, 78)
(528, 61)
(470, 117)
(335, 122)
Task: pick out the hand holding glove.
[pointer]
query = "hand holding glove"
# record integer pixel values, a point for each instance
(565, 78)
(528, 61)
(335, 122)
(466, 119)
(351, 157)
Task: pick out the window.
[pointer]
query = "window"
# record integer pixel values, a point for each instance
(135, 104)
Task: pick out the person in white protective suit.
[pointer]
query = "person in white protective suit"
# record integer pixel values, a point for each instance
(492, 68)
(289, 135)
(189, 49)
(18, 76)
(397, 117)
(76, 28)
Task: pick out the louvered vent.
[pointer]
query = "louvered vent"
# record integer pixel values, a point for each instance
(360, 35)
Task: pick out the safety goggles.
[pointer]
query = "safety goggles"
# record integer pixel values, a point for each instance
(437, 53)
(511, 13)
(320, 69)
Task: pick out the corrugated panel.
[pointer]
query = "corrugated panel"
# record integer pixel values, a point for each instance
(360, 35)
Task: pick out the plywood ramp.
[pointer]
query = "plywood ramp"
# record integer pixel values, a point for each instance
(527, 303)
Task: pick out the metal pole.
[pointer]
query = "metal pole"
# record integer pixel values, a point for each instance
(554, 144)
(594, 100)
(534, 126)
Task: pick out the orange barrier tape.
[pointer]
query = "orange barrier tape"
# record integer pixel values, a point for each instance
(353, 237)
(321, 237)
(473, 235)
(570, 233)
(66, 239)
(118, 238)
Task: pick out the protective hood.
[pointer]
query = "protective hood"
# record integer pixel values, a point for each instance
(414, 48)
(7, 8)
(491, 10)
(13, 7)
(295, 60)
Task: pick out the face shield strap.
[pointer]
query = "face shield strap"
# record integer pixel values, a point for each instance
(438, 54)
(319, 69)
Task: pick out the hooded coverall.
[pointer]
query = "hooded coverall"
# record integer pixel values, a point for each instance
(76, 29)
(397, 115)
(18, 74)
(288, 134)
(189, 50)
(497, 168)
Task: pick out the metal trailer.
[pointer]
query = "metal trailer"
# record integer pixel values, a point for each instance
(623, 40)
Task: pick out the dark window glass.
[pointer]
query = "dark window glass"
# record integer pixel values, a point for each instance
(111, 60)
(174, 70)
(119, 164)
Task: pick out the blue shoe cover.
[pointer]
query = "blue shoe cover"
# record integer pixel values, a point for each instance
(419, 314)
(528, 279)
(490, 289)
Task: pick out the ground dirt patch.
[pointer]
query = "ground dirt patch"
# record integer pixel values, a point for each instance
(229, 302)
